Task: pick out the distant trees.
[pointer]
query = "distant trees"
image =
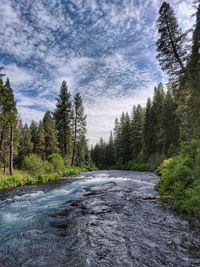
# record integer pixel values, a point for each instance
(146, 136)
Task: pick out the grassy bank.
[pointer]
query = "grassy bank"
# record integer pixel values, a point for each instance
(180, 179)
(35, 171)
(21, 178)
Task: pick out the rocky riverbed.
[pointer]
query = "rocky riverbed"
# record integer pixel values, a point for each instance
(102, 219)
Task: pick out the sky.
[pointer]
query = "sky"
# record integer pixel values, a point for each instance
(104, 49)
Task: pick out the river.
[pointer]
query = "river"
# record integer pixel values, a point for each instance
(102, 218)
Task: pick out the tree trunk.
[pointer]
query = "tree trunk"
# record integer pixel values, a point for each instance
(183, 69)
(11, 151)
(4, 168)
(75, 140)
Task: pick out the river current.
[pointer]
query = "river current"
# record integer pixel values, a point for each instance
(102, 218)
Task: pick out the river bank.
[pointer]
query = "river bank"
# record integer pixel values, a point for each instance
(22, 178)
(102, 218)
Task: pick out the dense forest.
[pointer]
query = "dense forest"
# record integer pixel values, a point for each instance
(58, 140)
(142, 139)
(168, 127)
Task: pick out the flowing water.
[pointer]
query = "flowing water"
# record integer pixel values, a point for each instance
(103, 218)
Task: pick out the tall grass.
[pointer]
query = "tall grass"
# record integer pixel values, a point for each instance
(21, 178)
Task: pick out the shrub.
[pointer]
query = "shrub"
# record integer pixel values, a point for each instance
(57, 162)
(180, 178)
(33, 165)
(47, 177)
(48, 167)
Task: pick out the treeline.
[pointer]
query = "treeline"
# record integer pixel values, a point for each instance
(142, 139)
(169, 125)
(61, 132)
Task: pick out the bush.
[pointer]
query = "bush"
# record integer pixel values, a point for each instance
(33, 165)
(48, 167)
(180, 178)
(47, 177)
(57, 162)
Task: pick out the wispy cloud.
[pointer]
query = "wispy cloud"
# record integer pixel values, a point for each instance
(104, 49)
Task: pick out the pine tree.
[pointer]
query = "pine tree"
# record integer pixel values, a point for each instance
(62, 117)
(116, 133)
(137, 131)
(40, 141)
(148, 137)
(170, 125)
(50, 135)
(25, 144)
(194, 62)
(78, 132)
(189, 108)
(157, 107)
(8, 112)
(171, 45)
(33, 132)
(124, 139)
(110, 151)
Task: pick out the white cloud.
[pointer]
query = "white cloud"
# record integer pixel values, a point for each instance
(29, 114)
(19, 75)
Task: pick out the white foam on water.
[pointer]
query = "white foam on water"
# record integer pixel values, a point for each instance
(142, 182)
(29, 196)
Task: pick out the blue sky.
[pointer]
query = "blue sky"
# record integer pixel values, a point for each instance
(103, 49)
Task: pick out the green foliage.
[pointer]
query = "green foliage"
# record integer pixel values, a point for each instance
(180, 178)
(33, 165)
(62, 116)
(79, 147)
(50, 135)
(134, 166)
(22, 178)
(145, 138)
(25, 144)
(172, 53)
(8, 125)
(57, 162)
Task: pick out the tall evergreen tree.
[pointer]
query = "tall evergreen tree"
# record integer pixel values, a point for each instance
(148, 137)
(33, 132)
(62, 117)
(194, 62)
(110, 151)
(170, 125)
(171, 45)
(50, 134)
(157, 107)
(40, 141)
(8, 112)
(25, 144)
(137, 131)
(125, 152)
(78, 132)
